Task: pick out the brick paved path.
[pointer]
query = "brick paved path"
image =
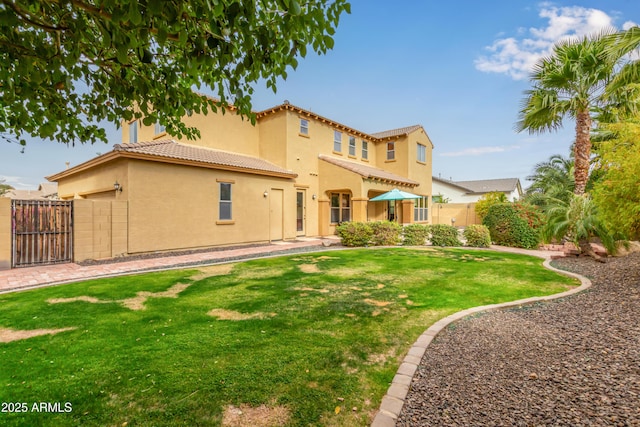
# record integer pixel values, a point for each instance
(31, 277)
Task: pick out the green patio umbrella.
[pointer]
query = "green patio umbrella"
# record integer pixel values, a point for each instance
(394, 194)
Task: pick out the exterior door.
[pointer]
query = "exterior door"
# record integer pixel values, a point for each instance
(301, 212)
(276, 226)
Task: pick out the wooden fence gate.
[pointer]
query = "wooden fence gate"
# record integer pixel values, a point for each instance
(42, 232)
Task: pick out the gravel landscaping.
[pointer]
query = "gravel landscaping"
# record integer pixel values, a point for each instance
(571, 362)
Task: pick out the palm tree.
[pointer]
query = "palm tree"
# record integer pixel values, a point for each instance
(578, 221)
(552, 179)
(571, 83)
(621, 44)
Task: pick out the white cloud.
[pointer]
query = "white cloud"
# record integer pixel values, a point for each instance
(516, 56)
(628, 25)
(479, 151)
(16, 181)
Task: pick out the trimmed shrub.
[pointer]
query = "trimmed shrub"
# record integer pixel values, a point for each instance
(477, 236)
(385, 233)
(508, 228)
(415, 234)
(354, 233)
(488, 200)
(444, 235)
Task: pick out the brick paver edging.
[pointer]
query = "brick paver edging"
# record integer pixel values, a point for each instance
(393, 401)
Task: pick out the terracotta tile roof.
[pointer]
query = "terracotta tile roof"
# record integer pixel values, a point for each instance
(170, 149)
(396, 132)
(369, 136)
(368, 171)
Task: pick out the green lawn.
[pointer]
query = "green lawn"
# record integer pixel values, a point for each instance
(309, 339)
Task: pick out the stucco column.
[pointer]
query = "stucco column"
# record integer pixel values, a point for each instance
(5, 233)
(407, 212)
(359, 209)
(323, 216)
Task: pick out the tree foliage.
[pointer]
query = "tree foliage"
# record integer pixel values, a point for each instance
(578, 221)
(488, 200)
(571, 82)
(617, 193)
(65, 65)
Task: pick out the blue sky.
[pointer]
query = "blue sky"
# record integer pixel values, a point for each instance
(457, 68)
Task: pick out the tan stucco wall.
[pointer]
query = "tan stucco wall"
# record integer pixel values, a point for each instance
(97, 182)
(99, 229)
(177, 207)
(228, 132)
(5, 233)
(463, 213)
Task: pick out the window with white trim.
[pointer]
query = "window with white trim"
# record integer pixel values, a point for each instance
(352, 145)
(133, 132)
(421, 209)
(225, 201)
(304, 127)
(391, 150)
(160, 128)
(365, 150)
(340, 207)
(337, 141)
(422, 153)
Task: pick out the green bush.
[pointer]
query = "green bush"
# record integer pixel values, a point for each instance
(444, 235)
(354, 233)
(508, 228)
(415, 234)
(488, 200)
(477, 236)
(385, 233)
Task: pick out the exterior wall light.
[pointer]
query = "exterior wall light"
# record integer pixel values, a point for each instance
(314, 197)
(266, 193)
(117, 186)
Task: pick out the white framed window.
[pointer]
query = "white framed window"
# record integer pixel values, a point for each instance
(337, 141)
(421, 209)
(365, 150)
(133, 132)
(225, 201)
(160, 128)
(340, 207)
(391, 150)
(352, 145)
(421, 155)
(304, 127)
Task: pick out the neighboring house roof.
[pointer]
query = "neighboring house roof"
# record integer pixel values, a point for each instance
(24, 194)
(368, 171)
(489, 185)
(505, 185)
(45, 191)
(374, 137)
(173, 152)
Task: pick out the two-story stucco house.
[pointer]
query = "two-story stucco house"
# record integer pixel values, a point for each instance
(294, 173)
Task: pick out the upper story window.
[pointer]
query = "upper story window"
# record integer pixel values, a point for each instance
(133, 132)
(391, 150)
(337, 141)
(422, 153)
(352, 145)
(225, 201)
(365, 150)
(304, 127)
(160, 128)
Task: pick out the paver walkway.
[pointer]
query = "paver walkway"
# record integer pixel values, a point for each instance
(47, 275)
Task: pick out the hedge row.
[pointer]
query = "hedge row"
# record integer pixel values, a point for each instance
(386, 233)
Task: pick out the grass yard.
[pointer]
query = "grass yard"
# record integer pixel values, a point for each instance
(309, 339)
